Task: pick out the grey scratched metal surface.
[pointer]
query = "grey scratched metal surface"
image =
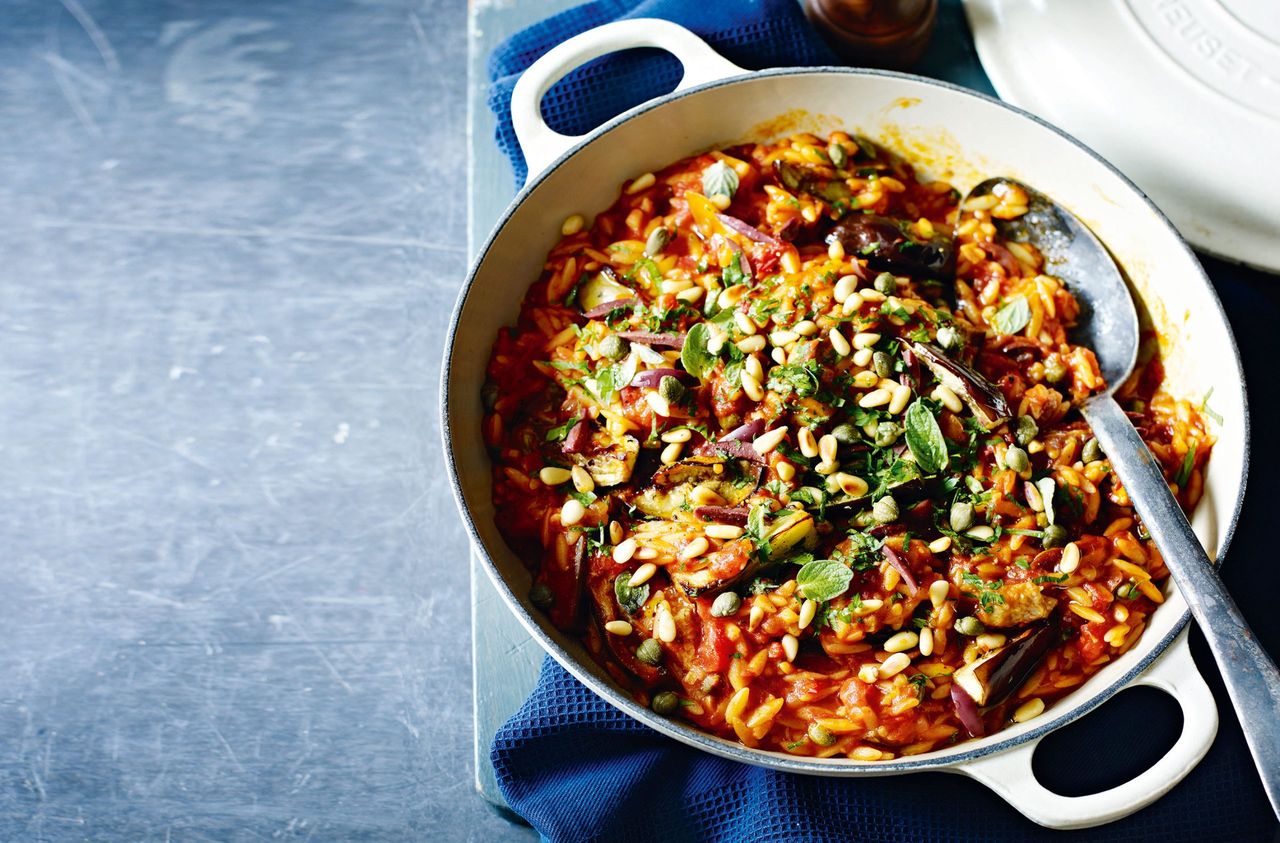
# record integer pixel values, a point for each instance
(232, 599)
(505, 658)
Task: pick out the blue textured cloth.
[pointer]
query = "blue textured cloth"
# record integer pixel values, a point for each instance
(577, 769)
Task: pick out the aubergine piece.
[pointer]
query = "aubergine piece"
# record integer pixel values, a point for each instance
(905, 490)
(601, 289)
(604, 607)
(992, 678)
(802, 179)
(612, 463)
(888, 246)
(564, 571)
(740, 559)
(983, 397)
(669, 493)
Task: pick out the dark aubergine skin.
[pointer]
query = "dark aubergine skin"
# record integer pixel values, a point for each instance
(1002, 672)
(887, 246)
(983, 397)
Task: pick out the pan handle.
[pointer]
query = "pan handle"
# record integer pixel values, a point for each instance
(540, 144)
(1010, 775)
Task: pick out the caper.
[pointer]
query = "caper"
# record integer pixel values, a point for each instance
(885, 510)
(1025, 429)
(540, 595)
(1016, 459)
(969, 626)
(887, 433)
(882, 363)
(845, 434)
(613, 347)
(1054, 370)
(650, 652)
(961, 516)
(948, 337)
(821, 735)
(1055, 535)
(886, 283)
(726, 605)
(665, 703)
(838, 155)
(657, 241)
(1092, 451)
(671, 389)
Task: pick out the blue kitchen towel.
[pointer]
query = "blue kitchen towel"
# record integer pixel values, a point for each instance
(579, 770)
(754, 34)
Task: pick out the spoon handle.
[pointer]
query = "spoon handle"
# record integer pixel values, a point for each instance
(1250, 675)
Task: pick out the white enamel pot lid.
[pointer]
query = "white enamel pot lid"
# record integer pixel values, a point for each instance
(960, 136)
(1182, 95)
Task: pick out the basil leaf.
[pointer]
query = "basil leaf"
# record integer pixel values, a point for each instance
(756, 530)
(694, 356)
(1013, 317)
(734, 274)
(555, 434)
(603, 385)
(925, 439)
(719, 179)
(823, 579)
(630, 599)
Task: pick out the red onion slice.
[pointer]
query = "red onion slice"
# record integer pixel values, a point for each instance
(608, 307)
(675, 341)
(746, 432)
(748, 230)
(740, 450)
(900, 565)
(579, 438)
(967, 711)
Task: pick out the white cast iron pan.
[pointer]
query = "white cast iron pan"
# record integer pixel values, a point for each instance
(960, 136)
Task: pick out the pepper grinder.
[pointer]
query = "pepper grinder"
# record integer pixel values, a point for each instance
(890, 34)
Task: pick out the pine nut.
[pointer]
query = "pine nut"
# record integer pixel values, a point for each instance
(745, 325)
(901, 642)
(695, 548)
(862, 357)
(664, 626)
(941, 545)
(805, 328)
(554, 475)
(781, 339)
(671, 453)
(827, 448)
(845, 287)
(752, 387)
(750, 345)
(572, 512)
(647, 553)
(825, 468)
(938, 593)
(683, 434)
(723, 531)
(852, 486)
(582, 479)
(852, 305)
(753, 617)
(643, 574)
(786, 471)
(658, 404)
(901, 397)
(779, 356)
(691, 295)
(948, 398)
(1033, 707)
(753, 367)
(644, 182)
(618, 628)
(790, 647)
(875, 398)
(572, 224)
(624, 550)
(766, 442)
(615, 532)
(865, 339)
(866, 378)
(1070, 558)
(838, 343)
(926, 642)
(981, 533)
(807, 610)
(894, 665)
(807, 443)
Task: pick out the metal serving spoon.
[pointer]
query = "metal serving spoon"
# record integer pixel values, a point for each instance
(1109, 325)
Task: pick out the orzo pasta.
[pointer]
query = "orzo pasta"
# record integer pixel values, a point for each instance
(790, 439)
